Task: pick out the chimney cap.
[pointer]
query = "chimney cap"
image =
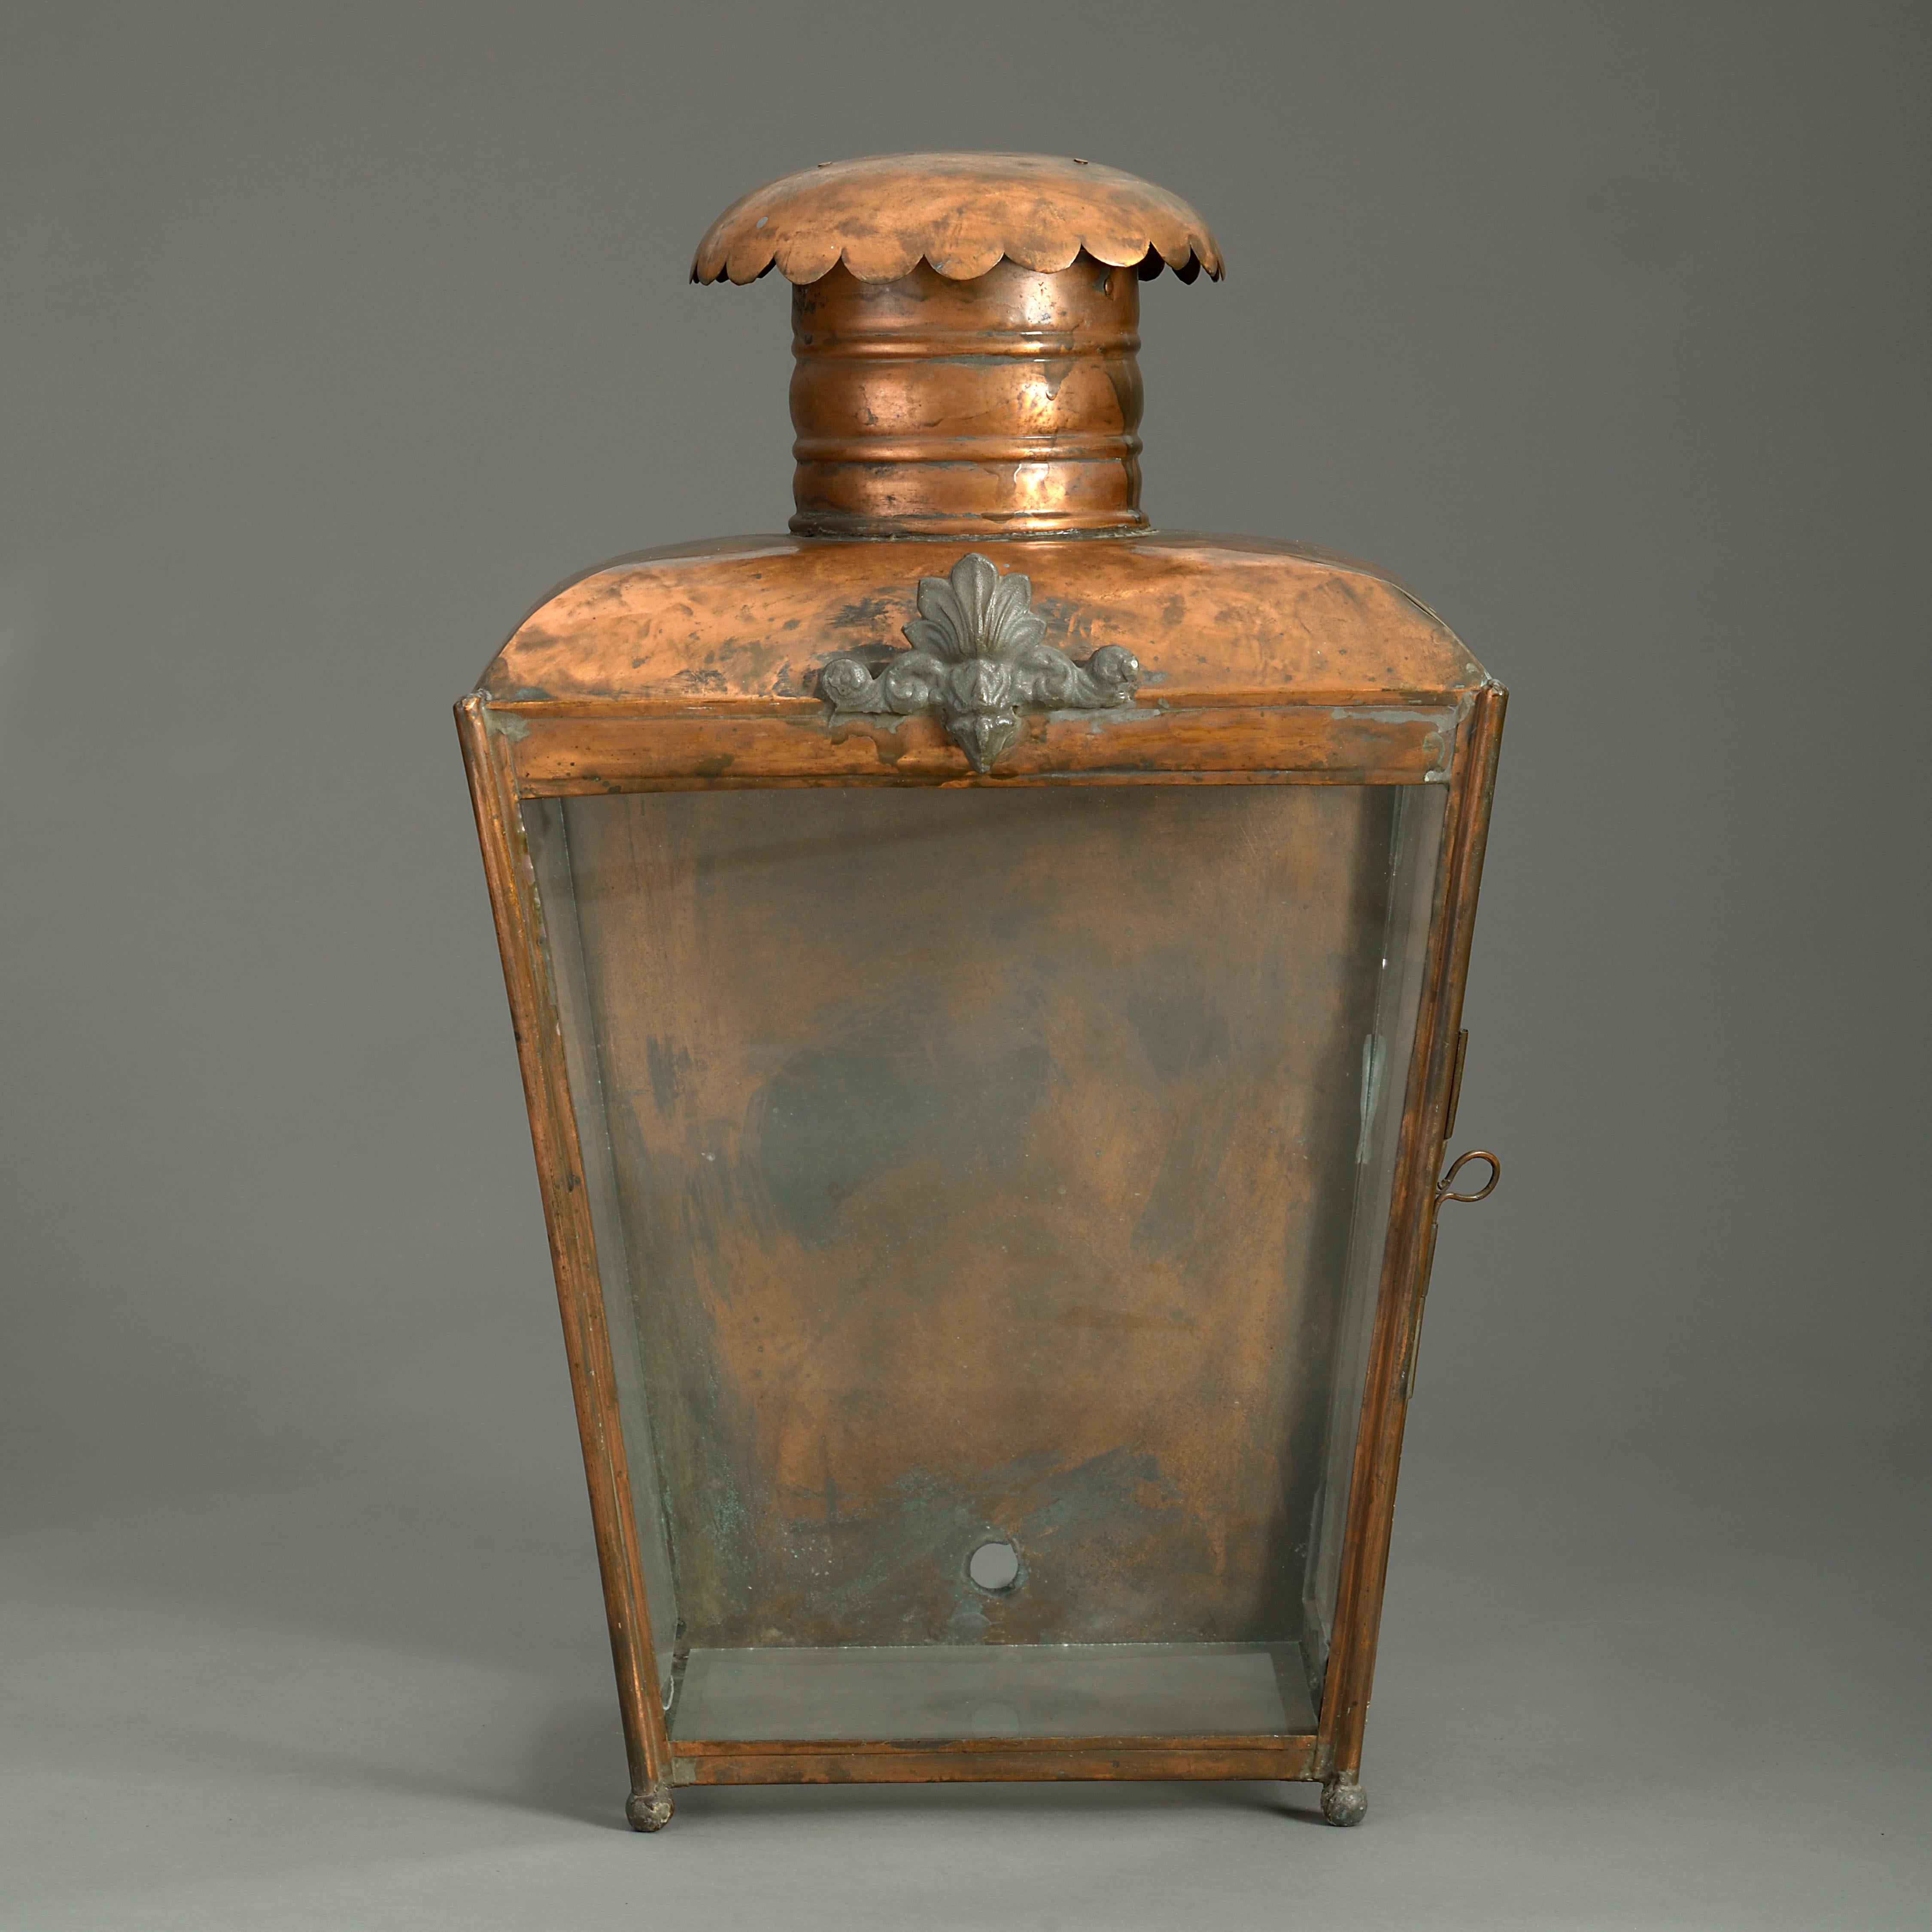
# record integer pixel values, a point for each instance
(960, 213)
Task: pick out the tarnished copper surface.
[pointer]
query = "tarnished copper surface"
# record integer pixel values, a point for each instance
(965, 327)
(742, 625)
(996, 1200)
(933, 1153)
(961, 213)
(1008, 403)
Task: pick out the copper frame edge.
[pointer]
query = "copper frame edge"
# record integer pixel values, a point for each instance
(1372, 697)
(562, 753)
(1294, 1758)
(540, 1055)
(1102, 775)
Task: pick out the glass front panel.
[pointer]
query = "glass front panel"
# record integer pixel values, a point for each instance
(990, 1189)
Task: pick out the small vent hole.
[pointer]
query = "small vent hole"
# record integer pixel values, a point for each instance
(994, 1567)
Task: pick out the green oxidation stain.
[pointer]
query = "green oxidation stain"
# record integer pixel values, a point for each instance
(1064, 616)
(866, 615)
(667, 1063)
(1109, 1553)
(1179, 1035)
(1186, 1040)
(829, 1121)
(1185, 1192)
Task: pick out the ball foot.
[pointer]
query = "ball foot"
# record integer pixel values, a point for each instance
(648, 1810)
(1343, 1800)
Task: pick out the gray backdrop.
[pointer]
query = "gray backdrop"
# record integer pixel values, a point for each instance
(336, 333)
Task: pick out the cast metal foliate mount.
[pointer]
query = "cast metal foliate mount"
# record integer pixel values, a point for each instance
(978, 655)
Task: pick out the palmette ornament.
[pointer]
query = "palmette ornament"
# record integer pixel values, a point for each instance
(988, 977)
(977, 659)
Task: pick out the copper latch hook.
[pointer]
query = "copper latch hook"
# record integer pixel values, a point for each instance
(1445, 1189)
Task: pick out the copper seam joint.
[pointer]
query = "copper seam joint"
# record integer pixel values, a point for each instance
(971, 349)
(1047, 448)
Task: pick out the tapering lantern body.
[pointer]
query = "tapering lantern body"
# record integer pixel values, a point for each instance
(988, 977)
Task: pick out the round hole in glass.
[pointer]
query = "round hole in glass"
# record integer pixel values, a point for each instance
(994, 1567)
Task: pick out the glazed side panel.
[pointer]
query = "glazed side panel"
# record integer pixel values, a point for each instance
(541, 1057)
(1411, 1210)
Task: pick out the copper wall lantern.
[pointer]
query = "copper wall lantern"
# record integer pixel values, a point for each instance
(987, 974)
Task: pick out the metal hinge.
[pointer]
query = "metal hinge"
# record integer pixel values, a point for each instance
(1445, 1190)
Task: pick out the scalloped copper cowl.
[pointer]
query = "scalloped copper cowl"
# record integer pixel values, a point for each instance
(965, 327)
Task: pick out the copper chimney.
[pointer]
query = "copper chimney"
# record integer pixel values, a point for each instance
(989, 1007)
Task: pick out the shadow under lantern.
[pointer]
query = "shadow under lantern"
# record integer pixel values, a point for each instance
(988, 975)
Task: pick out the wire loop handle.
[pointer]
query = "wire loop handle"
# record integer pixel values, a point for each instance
(1445, 1189)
